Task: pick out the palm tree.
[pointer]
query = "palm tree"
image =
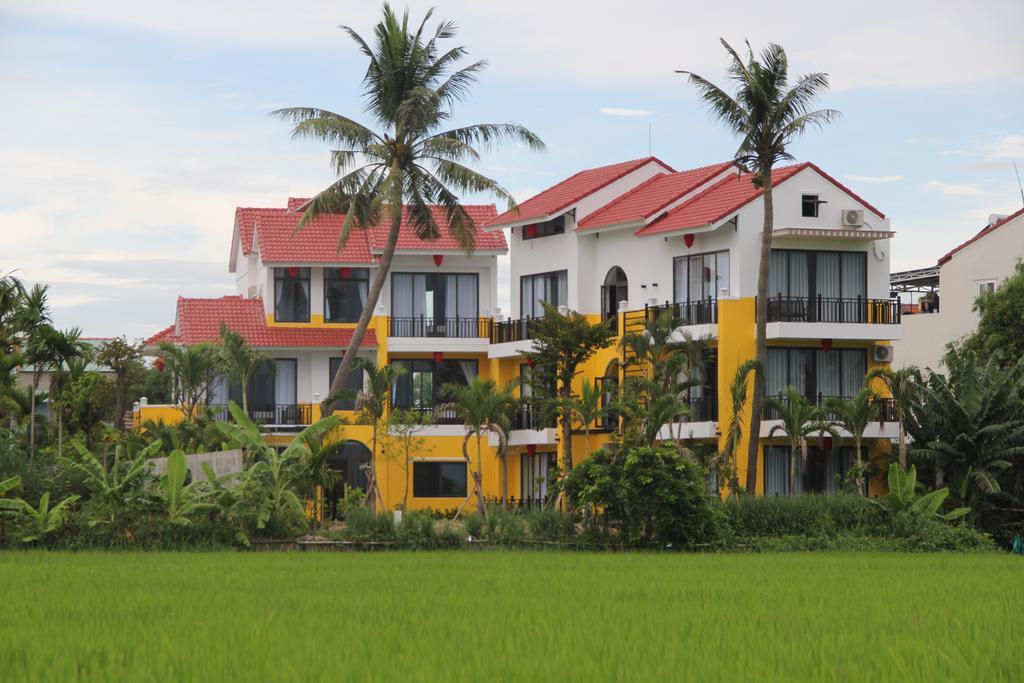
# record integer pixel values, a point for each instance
(587, 409)
(901, 385)
(738, 391)
(854, 414)
(33, 324)
(482, 407)
(373, 404)
(238, 360)
(410, 86)
(63, 378)
(800, 420)
(193, 369)
(767, 114)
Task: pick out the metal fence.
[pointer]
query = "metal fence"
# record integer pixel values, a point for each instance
(504, 331)
(699, 312)
(452, 328)
(292, 415)
(797, 309)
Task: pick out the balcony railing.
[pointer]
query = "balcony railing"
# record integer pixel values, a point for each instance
(505, 331)
(439, 415)
(702, 408)
(528, 417)
(886, 408)
(451, 328)
(796, 309)
(699, 312)
(291, 415)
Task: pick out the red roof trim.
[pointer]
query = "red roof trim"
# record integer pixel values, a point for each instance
(987, 230)
(627, 168)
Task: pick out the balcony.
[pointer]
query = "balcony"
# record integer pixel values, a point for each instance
(281, 415)
(439, 415)
(702, 408)
(789, 309)
(443, 328)
(507, 331)
(886, 409)
(700, 312)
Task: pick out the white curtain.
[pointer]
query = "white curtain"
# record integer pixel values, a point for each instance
(468, 294)
(827, 276)
(778, 275)
(722, 286)
(679, 278)
(285, 375)
(776, 470)
(828, 372)
(854, 370)
(854, 282)
(219, 391)
(777, 377)
(468, 369)
(798, 275)
(401, 295)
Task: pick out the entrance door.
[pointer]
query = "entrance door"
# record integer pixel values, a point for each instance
(614, 290)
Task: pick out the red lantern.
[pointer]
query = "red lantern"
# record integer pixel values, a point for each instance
(688, 240)
(293, 271)
(530, 362)
(438, 259)
(438, 357)
(531, 449)
(344, 272)
(159, 364)
(531, 231)
(826, 345)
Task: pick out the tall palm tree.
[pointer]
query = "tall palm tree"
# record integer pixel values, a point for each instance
(854, 414)
(72, 359)
(410, 86)
(483, 407)
(33, 325)
(238, 360)
(738, 391)
(587, 409)
(767, 114)
(901, 385)
(800, 419)
(373, 404)
(193, 369)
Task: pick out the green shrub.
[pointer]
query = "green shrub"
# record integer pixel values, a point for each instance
(363, 525)
(550, 525)
(504, 527)
(651, 496)
(921, 532)
(416, 530)
(449, 535)
(474, 526)
(809, 515)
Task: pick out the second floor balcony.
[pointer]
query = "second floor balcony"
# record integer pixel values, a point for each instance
(285, 415)
(820, 309)
(885, 408)
(448, 328)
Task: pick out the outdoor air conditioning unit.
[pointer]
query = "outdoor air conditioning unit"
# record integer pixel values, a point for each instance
(881, 353)
(853, 218)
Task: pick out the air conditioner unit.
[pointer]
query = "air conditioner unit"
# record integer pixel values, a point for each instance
(881, 353)
(853, 218)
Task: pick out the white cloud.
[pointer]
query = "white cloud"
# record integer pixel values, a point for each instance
(1008, 147)
(874, 178)
(952, 42)
(955, 189)
(616, 111)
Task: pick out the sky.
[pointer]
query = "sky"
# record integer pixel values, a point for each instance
(130, 131)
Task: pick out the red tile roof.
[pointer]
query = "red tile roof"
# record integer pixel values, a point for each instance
(988, 229)
(317, 242)
(557, 198)
(244, 221)
(651, 197)
(199, 320)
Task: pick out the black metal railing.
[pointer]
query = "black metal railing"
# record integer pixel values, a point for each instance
(529, 417)
(520, 329)
(518, 503)
(702, 408)
(442, 414)
(699, 312)
(290, 415)
(452, 328)
(820, 309)
(886, 408)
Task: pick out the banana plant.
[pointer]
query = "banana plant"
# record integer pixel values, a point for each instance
(183, 501)
(9, 484)
(903, 496)
(116, 483)
(37, 522)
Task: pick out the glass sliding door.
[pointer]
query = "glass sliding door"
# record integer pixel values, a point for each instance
(534, 289)
(817, 286)
(435, 305)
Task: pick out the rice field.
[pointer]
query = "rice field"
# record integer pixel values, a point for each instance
(489, 616)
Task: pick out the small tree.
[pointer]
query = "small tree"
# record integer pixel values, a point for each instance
(125, 361)
(854, 415)
(738, 392)
(587, 409)
(238, 360)
(1001, 318)
(193, 368)
(401, 441)
(561, 343)
(800, 420)
(374, 403)
(901, 385)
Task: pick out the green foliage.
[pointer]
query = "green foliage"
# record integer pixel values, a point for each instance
(193, 369)
(650, 496)
(808, 516)
(903, 497)
(800, 420)
(238, 360)
(1001, 319)
(36, 523)
(182, 501)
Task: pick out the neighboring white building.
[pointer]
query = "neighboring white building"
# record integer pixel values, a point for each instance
(978, 265)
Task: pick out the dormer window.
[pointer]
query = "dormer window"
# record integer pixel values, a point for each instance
(291, 295)
(555, 226)
(809, 205)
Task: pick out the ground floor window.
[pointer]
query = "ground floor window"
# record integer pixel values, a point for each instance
(534, 472)
(822, 473)
(439, 479)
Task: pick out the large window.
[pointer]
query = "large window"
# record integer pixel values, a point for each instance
(434, 301)
(533, 289)
(534, 475)
(345, 293)
(810, 274)
(438, 479)
(354, 383)
(555, 226)
(701, 276)
(822, 473)
(815, 372)
(420, 386)
(291, 295)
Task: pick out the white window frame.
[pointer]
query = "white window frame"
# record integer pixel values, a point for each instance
(985, 286)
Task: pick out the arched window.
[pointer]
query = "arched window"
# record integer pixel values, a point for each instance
(614, 290)
(608, 385)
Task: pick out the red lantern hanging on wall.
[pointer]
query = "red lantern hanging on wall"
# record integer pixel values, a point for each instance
(688, 240)
(293, 271)
(531, 449)
(344, 272)
(530, 362)
(438, 259)
(438, 357)
(159, 364)
(826, 345)
(531, 231)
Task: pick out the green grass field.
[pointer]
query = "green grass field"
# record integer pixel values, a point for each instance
(491, 616)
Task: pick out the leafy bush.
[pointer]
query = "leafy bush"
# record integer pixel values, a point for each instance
(649, 495)
(364, 525)
(921, 532)
(474, 526)
(808, 516)
(504, 527)
(416, 531)
(550, 525)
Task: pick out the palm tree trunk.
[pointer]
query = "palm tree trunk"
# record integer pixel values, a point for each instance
(379, 278)
(371, 500)
(903, 445)
(860, 463)
(405, 496)
(794, 447)
(760, 328)
(478, 479)
(32, 423)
